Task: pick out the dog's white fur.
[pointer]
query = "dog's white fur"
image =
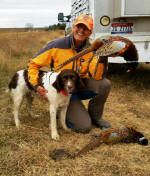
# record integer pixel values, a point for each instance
(58, 101)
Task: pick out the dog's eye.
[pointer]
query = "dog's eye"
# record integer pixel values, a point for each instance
(65, 78)
(72, 78)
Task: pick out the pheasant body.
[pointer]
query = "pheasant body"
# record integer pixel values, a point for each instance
(115, 135)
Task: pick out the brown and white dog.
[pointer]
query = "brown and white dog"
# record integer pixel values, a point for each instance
(60, 85)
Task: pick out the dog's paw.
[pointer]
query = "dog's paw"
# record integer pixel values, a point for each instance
(20, 127)
(55, 137)
(68, 130)
(64, 126)
(32, 115)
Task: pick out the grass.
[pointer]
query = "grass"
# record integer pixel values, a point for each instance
(26, 152)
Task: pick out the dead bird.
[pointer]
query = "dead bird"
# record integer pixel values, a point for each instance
(122, 134)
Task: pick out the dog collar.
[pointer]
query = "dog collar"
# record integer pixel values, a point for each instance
(63, 92)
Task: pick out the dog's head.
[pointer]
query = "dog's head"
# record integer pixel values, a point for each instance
(68, 81)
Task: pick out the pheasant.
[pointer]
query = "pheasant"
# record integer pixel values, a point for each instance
(122, 134)
(108, 46)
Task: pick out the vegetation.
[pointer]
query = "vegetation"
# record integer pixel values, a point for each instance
(26, 152)
(59, 26)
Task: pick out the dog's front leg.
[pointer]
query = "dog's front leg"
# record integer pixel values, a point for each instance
(63, 119)
(53, 122)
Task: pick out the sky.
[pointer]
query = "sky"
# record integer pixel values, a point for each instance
(39, 13)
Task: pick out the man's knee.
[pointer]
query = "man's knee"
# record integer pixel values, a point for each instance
(77, 117)
(78, 127)
(105, 83)
(104, 86)
(83, 128)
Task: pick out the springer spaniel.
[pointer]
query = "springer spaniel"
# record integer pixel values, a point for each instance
(59, 85)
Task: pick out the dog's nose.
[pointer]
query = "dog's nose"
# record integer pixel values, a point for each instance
(69, 86)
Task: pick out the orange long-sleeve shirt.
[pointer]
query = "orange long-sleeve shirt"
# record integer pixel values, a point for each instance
(58, 51)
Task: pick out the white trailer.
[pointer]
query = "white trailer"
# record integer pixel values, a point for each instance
(128, 18)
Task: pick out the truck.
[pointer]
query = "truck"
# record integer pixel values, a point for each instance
(126, 18)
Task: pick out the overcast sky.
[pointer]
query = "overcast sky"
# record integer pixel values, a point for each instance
(40, 13)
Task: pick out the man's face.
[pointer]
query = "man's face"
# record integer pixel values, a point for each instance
(81, 32)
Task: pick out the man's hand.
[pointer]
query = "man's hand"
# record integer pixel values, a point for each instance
(42, 92)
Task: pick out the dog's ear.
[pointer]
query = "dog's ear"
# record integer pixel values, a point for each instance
(57, 84)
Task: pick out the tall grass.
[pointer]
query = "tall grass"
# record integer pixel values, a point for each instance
(16, 48)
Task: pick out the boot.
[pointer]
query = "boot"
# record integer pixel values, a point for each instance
(101, 124)
(96, 110)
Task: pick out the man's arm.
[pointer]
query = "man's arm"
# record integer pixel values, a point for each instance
(34, 65)
(44, 59)
(42, 92)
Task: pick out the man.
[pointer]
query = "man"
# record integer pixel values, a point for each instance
(60, 50)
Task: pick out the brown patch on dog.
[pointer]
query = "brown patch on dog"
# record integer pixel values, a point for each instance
(25, 74)
(41, 74)
(13, 82)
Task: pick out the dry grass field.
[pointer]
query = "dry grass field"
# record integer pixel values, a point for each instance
(26, 152)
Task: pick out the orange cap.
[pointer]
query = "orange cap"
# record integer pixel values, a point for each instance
(86, 20)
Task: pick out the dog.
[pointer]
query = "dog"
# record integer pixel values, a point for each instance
(60, 86)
